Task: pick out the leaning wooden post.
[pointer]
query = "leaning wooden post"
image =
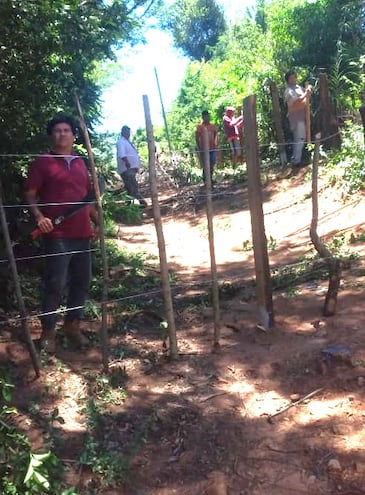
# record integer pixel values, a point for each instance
(276, 115)
(18, 290)
(165, 279)
(334, 264)
(262, 269)
(99, 207)
(213, 265)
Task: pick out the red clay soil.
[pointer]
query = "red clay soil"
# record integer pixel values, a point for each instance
(202, 424)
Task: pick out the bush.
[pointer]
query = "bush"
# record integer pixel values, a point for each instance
(22, 471)
(348, 164)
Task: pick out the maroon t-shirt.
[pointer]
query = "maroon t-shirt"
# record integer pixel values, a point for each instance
(62, 180)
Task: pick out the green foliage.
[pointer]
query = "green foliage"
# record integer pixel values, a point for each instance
(100, 454)
(22, 471)
(117, 257)
(347, 166)
(196, 26)
(310, 36)
(119, 207)
(53, 46)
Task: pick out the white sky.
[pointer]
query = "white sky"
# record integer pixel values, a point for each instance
(122, 102)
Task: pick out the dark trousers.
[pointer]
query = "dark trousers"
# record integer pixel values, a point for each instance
(212, 162)
(130, 183)
(68, 270)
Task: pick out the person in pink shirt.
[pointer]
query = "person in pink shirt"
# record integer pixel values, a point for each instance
(231, 127)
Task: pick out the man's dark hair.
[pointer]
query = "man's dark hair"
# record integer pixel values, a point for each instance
(288, 74)
(205, 112)
(62, 119)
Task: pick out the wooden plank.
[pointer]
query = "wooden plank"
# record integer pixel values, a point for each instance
(262, 268)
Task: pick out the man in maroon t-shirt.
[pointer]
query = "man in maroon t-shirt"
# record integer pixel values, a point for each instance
(55, 181)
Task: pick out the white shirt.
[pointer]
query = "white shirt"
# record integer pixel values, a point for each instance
(126, 149)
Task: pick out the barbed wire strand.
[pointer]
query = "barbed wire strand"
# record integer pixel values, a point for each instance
(183, 151)
(182, 287)
(49, 255)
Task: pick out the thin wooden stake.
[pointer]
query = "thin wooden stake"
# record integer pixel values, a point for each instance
(333, 263)
(293, 404)
(262, 268)
(99, 207)
(165, 279)
(18, 290)
(213, 265)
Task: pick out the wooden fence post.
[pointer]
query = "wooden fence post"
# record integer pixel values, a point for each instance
(213, 265)
(159, 232)
(99, 207)
(18, 290)
(262, 269)
(276, 114)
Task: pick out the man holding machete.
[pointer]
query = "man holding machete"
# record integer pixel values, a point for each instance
(55, 182)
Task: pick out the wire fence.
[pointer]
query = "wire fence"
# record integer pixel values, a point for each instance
(131, 297)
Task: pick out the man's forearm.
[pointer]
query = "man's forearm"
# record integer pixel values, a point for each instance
(32, 199)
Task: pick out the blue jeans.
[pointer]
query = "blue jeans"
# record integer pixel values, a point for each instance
(67, 271)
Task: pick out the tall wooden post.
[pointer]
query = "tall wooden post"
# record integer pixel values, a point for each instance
(18, 290)
(262, 269)
(165, 280)
(328, 120)
(99, 207)
(276, 115)
(213, 265)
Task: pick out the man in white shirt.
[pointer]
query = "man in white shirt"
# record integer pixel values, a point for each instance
(297, 99)
(128, 165)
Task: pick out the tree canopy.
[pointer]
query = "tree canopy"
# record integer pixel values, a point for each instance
(196, 26)
(49, 49)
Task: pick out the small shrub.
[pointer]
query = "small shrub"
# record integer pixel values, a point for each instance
(348, 164)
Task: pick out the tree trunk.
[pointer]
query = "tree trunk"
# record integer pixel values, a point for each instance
(329, 126)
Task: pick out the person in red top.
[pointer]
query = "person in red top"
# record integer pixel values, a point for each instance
(231, 127)
(56, 180)
(213, 142)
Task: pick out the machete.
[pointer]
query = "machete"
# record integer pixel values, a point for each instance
(87, 200)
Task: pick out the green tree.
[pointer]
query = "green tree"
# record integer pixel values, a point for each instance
(196, 26)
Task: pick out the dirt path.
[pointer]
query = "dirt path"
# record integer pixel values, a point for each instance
(200, 425)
